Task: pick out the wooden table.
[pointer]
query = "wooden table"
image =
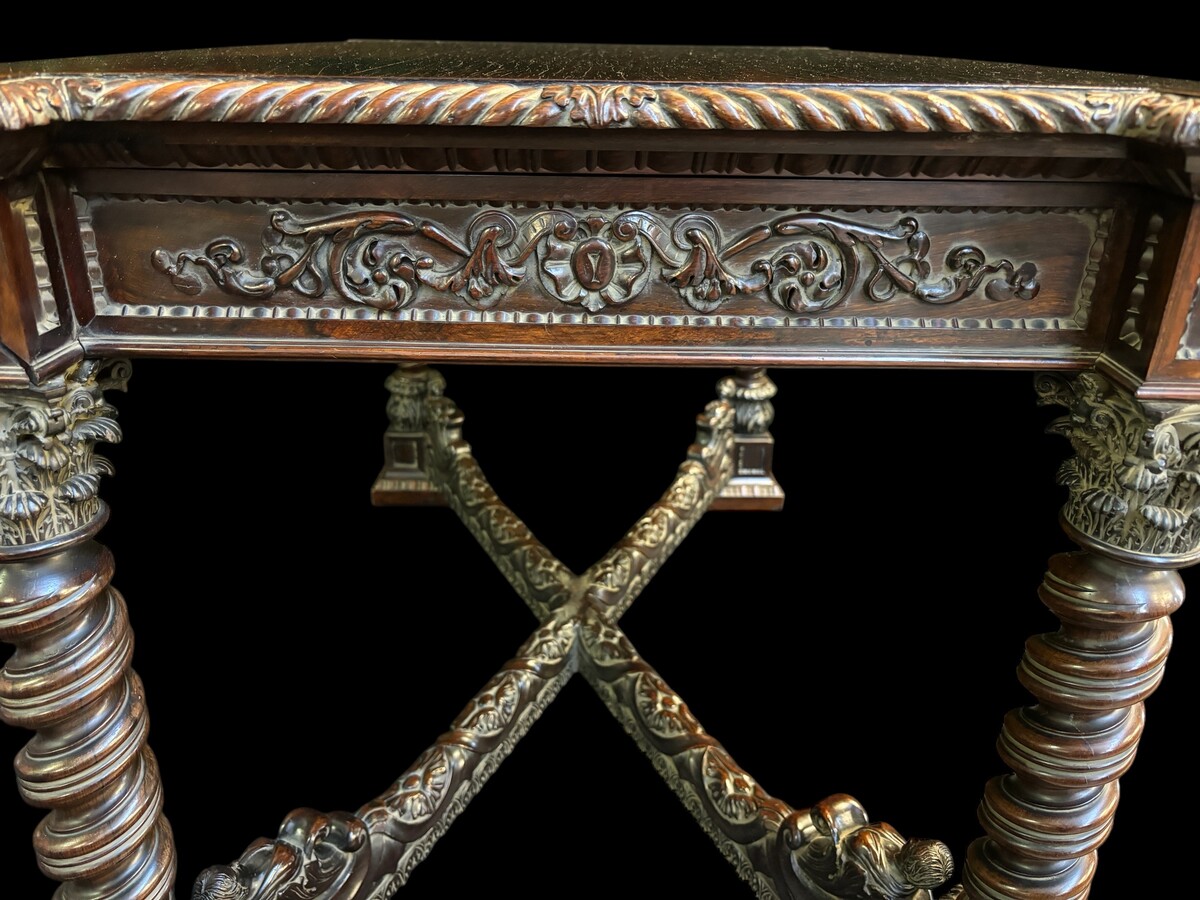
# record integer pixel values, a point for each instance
(456, 203)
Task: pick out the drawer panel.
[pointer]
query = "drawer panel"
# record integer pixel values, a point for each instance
(652, 268)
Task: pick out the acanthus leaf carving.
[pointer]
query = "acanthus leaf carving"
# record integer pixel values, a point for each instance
(599, 105)
(49, 470)
(1134, 483)
(732, 792)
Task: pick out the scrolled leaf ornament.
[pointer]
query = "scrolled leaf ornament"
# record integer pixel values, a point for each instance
(357, 254)
(703, 279)
(807, 262)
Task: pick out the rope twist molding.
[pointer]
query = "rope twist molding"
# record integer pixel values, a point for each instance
(32, 101)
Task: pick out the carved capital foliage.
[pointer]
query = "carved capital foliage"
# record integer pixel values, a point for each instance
(49, 470)
(805, 263)
(1134, 482)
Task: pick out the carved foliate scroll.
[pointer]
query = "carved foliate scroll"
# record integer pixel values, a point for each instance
(1134, 482)
(851, 857)
(315, 856)
(807, 262)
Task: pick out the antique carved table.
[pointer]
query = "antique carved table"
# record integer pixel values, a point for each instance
(443, 202)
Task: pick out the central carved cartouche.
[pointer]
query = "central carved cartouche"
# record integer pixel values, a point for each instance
(806, 263)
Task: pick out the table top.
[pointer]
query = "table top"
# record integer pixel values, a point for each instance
(849, 91)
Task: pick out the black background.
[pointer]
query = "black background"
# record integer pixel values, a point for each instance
(302, 648)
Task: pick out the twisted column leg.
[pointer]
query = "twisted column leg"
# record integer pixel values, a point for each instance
(1133, 507)
(69, 677)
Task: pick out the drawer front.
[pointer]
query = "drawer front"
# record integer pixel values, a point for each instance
(703, 270)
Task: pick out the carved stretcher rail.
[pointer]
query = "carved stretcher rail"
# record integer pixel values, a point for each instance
(829, 851)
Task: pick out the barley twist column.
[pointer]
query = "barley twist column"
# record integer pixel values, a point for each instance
(1133, 508)
(69, 677)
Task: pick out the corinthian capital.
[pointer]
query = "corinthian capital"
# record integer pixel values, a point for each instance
(1134, 482)
(49, 471)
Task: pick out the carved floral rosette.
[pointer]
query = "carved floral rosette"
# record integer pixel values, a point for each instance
(1134, 482)
(805, 262)
(49, 470)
